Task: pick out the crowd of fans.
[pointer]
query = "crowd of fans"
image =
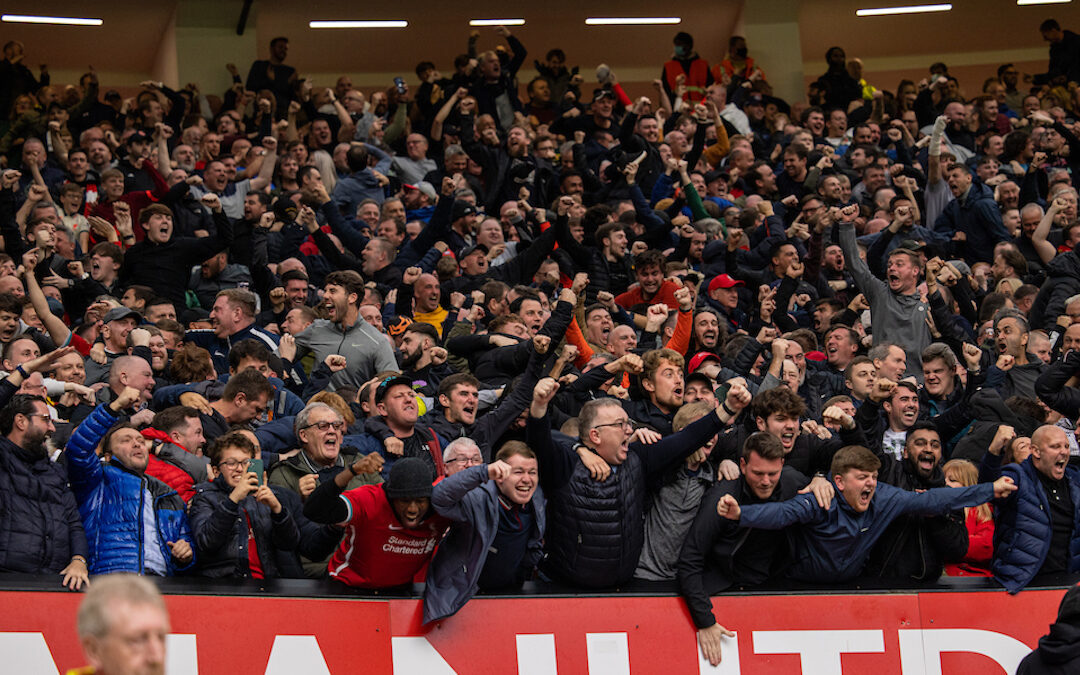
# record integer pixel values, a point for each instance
(496, 331)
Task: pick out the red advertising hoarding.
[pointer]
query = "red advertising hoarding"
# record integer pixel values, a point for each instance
(933, 633)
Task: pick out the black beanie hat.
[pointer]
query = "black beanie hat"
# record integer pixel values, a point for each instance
(410, 478)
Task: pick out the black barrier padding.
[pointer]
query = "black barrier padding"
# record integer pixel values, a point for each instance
(310, 588)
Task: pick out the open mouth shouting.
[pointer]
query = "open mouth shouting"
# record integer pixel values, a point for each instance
(927, 461)
(865, 496)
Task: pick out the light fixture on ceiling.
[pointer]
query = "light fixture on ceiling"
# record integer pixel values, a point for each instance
(56, 20)
(909, 9)
(497, 22)
(380, 23)
(632, 20)
(1042, 2)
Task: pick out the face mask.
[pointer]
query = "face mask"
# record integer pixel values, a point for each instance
(680, 51)
(741, 52)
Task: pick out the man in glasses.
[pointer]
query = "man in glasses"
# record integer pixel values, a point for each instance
(461, 454)
(320, 430)
(596, 516)
(40, 519)
(238, 522)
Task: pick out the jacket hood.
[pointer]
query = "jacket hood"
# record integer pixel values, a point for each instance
(1062, 643)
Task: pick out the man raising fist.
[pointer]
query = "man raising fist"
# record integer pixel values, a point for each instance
(591, 546)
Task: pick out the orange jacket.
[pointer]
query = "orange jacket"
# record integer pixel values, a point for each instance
(696, 80)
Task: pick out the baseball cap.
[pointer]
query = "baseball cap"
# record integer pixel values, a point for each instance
(698, 377)
(754, 100)
(469, 250)
(912, 245)
(462, 209)
(398, 325)
(423, 186)
(392, 381)
(138, 137)
(602, 93)
(716, 174)
(723, 281)
(701, 357)
(118, 313)
(410, 478)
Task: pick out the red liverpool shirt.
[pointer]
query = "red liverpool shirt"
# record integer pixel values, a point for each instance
(377, 551)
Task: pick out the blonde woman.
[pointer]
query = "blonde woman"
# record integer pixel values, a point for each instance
(979, 521)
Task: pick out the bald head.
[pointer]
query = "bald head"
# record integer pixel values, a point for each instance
(426, 291)
(1050, 451)
(134, 372)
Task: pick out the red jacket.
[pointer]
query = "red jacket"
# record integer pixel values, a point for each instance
(173, 476)
(166, 472)
(980, 548)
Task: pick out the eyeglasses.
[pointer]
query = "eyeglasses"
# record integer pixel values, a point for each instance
(626, 425)
(467, 461)
(323, 426)
(45, 416)
(235, 464)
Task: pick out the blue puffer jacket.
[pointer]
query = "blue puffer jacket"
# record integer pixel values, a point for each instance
(111, 500)
(1022, 529)
(471, 500)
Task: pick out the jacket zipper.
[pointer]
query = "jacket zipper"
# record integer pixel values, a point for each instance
(142, 520)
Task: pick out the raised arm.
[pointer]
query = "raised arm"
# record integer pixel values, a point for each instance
(663, 453)
(58, 330)
(269, 161)
(555, 464)
(1043, 247)
(938, 501)
(933, 161)
(867, 282)
(772, 516)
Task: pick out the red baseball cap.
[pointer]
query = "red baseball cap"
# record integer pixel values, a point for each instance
(701, 357)
(723, 281)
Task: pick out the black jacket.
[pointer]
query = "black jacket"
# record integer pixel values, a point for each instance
(916, 547)
(808, 456)
(40, 527)
(707, 562)
(614, 277)
(167, 267)
(498, 366)
(1062, 282)
(596, 529)
(645, 413)
(1051, 389)
(220, 529)
(990, 412)
(1058, 652)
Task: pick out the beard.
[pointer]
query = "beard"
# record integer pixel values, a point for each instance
(36, 443)
(410, 360)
